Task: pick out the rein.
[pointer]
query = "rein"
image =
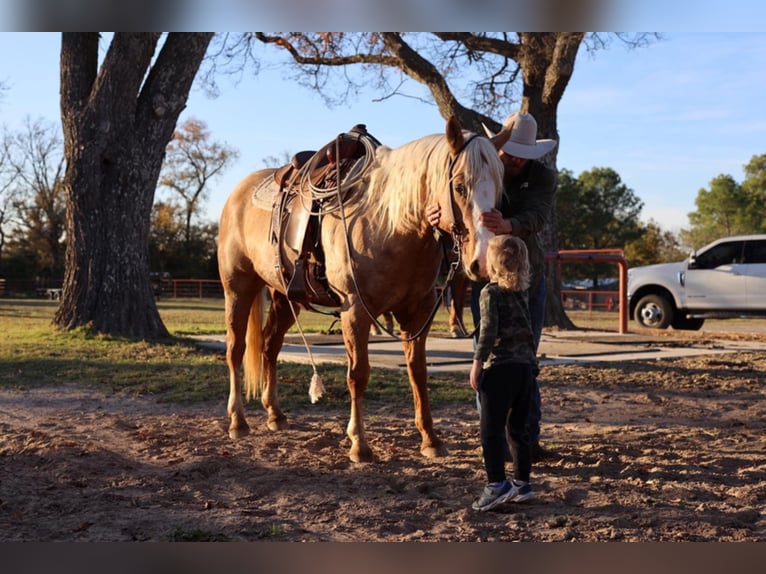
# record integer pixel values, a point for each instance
(458, 232)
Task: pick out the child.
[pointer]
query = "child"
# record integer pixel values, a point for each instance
(503, 371)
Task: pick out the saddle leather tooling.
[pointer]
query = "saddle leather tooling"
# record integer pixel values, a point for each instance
(298, 211)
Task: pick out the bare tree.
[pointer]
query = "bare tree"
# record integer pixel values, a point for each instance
(493, 72)
(192, 160)
(7, 190)
(118, 117)
(37, 160)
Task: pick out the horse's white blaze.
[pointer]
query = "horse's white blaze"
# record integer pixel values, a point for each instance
(483, 200)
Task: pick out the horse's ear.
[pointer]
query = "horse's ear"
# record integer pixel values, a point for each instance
(454, 134)
(499, 139)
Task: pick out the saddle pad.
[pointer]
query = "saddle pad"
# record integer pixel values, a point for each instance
(265, 194)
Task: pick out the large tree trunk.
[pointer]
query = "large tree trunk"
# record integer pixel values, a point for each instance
(547, 62)
(117, 121)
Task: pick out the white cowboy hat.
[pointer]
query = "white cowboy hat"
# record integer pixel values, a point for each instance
(523, 142)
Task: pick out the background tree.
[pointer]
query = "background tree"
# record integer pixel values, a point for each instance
(494, 73)
(277, 160)
(166, 240)
(727, 208)
(596, 211)
(192, 161)
(118, 117)
(654, 245)
(38, 210)
(7, 178)
(169, 249)
(754, 186)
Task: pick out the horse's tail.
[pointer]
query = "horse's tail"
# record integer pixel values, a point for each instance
(253, 362)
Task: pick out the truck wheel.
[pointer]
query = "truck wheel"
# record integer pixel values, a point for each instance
(654, 312)
(687, 323)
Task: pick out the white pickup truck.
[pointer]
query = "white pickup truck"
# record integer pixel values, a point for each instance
(726, 278)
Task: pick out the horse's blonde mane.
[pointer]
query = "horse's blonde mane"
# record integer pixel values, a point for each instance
(406, 179)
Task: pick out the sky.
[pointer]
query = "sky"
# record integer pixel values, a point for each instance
(668, 118)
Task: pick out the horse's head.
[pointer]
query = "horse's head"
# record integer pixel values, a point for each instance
(461, 172)
(475, 186)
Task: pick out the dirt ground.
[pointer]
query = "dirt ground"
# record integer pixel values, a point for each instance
(670, 450)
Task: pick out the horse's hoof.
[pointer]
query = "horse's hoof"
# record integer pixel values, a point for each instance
(277, 424)
(360, 454)
(434, 451)
(239, 431)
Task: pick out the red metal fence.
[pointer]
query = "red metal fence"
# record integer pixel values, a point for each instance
(195, 288)
(587, 300)
(574, 299)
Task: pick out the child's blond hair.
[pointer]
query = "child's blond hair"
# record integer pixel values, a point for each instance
(508, 262)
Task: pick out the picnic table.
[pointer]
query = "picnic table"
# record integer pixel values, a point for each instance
(53, 293)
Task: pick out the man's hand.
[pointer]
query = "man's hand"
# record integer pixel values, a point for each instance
(493, 220)
(434, 214)
(476, 370)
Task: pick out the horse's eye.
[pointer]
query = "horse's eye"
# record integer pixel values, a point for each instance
(460, 189)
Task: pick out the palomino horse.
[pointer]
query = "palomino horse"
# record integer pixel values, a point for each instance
(454, 296)
(378, 237)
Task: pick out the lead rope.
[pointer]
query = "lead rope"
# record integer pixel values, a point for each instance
(457, 240)
(316, 386)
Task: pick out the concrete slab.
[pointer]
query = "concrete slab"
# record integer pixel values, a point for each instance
(447, 354)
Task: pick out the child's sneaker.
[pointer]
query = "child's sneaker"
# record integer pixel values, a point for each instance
(520, 491)
(493, 496)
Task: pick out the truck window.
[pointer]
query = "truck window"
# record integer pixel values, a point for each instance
(755, 251)
(722, 254)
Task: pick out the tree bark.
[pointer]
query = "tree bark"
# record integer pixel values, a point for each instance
(547, 63)
(117, 121)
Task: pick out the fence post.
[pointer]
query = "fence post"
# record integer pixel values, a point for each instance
(601, 256)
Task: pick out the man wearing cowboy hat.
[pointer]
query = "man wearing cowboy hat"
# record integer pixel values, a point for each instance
(526, 207)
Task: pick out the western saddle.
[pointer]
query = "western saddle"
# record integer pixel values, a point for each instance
(309, 186)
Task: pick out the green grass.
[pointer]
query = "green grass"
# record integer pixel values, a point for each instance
(185, 317)
(33, 353)
(599, 320)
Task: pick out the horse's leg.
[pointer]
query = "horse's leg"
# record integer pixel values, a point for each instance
(356, 336)
(239, 296)
(389, 321)
(279, 320)
(454, 324)
(415, 357)
(458, 290)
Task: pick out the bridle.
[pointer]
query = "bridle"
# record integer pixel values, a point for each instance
(458, 232)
